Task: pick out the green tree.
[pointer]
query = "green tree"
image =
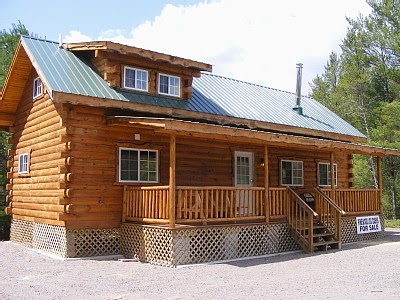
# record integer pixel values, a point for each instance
(367, 89)
(8, 44)
(323, 87)
(387, 134)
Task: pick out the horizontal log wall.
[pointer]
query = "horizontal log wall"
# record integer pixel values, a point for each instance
(39, 196)
(210, 163)
(96, 200)
(201, 162)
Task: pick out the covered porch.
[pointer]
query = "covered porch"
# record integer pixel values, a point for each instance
(266, 208)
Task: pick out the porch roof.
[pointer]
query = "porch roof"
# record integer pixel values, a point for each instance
(181, 127)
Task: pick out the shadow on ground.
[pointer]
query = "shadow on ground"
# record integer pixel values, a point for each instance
(392, 235)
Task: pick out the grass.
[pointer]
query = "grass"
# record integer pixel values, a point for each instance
(392, 223)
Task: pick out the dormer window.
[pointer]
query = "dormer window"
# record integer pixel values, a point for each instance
(169, 85)
(37, 88)
(135, 79)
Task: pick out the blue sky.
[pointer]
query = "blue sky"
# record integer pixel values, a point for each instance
(259, 41)
(51, 17)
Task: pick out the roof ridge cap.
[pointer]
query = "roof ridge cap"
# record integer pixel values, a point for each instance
(37, 39)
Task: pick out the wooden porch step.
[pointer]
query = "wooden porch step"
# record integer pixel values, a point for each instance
(323, 238)
(321, 235)
(323, 245)
(314, 227)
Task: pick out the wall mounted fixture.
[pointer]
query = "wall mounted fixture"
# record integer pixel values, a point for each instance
(262, 164)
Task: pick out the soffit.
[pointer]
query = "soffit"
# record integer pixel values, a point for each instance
(227, 133)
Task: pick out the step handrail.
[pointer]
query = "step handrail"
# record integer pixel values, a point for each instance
(330, 201)
(300, 221)
(306, 206)
(326, 212)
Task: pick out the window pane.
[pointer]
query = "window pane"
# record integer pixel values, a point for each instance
(152, 166)
(174, 86)
(141, 80)
(163, 84)
(129, 165)
(39, 87)
(144, 176)
(130, 78)
(152, 176)
(125, 175)
(144, 155)
(152, 156)
(323, 172)
(133, 175)
(286, 172)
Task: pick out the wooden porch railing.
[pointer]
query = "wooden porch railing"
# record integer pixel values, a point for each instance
(330, 214)
(301, 220)
(219, 203)
(356, 201)
(146, 204)
(278, 202)
(202, 204)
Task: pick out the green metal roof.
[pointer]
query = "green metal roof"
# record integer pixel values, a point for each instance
(63, 71)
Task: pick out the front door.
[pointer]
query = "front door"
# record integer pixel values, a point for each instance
(244, 179)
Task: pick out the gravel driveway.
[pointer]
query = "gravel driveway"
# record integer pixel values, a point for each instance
(365, 270)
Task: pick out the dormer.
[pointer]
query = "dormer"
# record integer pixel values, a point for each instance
(139, 70)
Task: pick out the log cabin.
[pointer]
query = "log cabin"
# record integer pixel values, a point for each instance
(122, 150)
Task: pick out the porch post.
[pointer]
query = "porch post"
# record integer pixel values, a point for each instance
(332, 176)
(379, 175)
(266, 184)
(172, 183)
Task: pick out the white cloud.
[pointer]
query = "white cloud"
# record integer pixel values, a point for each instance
(256, 41)
(75, 36)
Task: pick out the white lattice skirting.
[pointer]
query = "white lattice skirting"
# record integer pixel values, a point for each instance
(188, 245)
(349, 231)
(65, 243)
(170, 247)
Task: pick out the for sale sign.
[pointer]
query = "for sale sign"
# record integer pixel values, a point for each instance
(368, 224)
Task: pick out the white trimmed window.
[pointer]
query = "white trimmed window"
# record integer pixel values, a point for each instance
(169, 85)
(324, 174)
(135, 79)
(23, 163)
(37, 87)
(291, 173)
(138, 165)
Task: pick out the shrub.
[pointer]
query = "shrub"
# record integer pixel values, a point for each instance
(5, 224)
(392, 223)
